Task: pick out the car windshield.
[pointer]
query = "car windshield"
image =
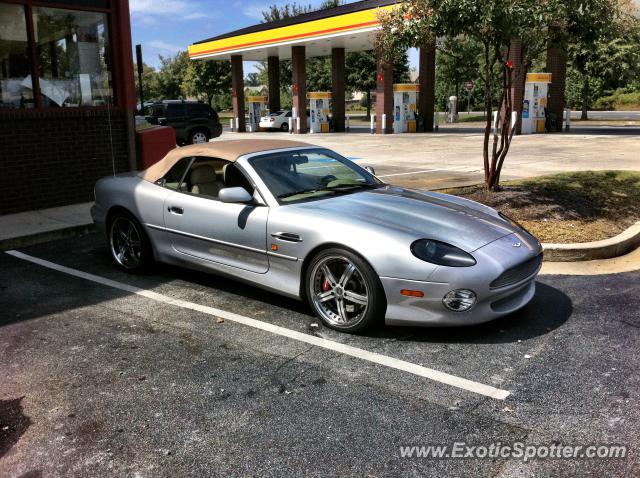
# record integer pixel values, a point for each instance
(277, 113)
(296, 176)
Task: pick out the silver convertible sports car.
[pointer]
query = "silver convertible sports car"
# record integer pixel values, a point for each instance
(305, 222)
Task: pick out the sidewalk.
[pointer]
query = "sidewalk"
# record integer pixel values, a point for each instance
(32, 227)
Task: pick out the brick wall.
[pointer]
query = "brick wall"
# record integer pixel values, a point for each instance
(54, 157)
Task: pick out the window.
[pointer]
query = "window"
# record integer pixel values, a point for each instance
(176, 110)
(199, 110)
(310, 175)
(205, 177)
(16, 88)
(72, 49)
(174, 177)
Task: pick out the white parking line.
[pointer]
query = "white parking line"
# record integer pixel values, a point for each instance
(422, 171)
(362, 354)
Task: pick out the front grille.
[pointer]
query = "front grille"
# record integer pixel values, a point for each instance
(517, 273)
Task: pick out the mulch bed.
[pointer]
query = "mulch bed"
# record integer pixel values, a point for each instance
(565, 208)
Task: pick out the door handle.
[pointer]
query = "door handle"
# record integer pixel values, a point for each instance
(176, 210)
(287, 236)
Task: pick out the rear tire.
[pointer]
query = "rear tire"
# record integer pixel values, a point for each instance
(284, 127)
(199, 136)
(344, 291)
(129, 245)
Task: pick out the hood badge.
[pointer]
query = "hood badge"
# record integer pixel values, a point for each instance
(516, 244)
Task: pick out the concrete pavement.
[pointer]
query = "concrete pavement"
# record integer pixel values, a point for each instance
(102, 382)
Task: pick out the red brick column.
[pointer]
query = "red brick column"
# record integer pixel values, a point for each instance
(273, 70)
(237, 91)
(557, 66)
(518, 77)
(384, 96)
(337, 85)
(427, 79)
(299, 81)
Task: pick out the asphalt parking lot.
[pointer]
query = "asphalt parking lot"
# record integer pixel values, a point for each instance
(139, 377)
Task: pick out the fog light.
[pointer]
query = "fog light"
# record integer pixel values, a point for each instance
(459, 300)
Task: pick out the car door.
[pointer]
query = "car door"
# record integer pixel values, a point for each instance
(177, 118)
(200, 225)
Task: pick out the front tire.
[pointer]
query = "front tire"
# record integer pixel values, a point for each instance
(129, 245)
(344, 291)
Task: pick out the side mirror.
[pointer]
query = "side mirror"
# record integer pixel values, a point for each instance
(235, 195)
(370, 170)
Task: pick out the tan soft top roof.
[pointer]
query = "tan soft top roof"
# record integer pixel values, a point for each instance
(229, 150)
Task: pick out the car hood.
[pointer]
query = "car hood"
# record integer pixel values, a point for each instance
(421, 214)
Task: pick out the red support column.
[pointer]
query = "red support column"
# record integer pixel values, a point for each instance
(299, 80)
(557, 66)
(384, 96)
(427, 77)
(123, 72)
(273, 70)
(237, 91)
(338, 85)
(518, 77)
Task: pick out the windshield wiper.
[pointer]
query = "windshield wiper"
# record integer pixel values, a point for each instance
(301, 191)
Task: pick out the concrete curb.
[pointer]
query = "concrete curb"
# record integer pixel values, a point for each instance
(46, 236)
(617, 246)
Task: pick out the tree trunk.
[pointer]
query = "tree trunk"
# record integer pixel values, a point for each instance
(585, 98)
(368, 105)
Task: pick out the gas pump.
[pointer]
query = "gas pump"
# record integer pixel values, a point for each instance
(404, 107)
(319, 109)
(452, 110)
(536, 92)
(257, 104)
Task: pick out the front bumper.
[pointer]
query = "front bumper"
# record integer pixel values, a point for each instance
(492, 302)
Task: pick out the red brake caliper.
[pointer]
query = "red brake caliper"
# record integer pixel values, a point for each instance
(325, 285)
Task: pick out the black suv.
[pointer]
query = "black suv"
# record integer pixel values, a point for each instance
(194, 122)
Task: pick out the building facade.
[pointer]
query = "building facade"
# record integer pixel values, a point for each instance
(66, 99)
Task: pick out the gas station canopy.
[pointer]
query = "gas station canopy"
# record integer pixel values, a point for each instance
(350, 26)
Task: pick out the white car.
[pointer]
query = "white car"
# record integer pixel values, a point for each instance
(276, 120)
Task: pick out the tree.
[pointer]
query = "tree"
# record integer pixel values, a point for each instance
(494, 24)
(207, 79)
(171, 76)
(602, 45)
(253, 79)
(149, 83)
(361, 73)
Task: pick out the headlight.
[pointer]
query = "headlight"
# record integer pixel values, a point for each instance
(459, 300)
(441, 253)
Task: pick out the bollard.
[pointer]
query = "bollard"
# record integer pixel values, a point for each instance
(436, 122)
(231, 124)
(298, 125)
(495, 122)
(237, 124)
(384, 124)
(567, 126)
(290, 125)
(373, 124)
(347, 128)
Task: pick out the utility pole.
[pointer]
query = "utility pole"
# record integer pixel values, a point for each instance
(140, 69)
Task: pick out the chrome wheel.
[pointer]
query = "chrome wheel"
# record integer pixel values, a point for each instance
(339, 292)
(199, 137)
(125, 242)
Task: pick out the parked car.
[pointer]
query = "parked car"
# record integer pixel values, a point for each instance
(305, 222)
(276, 120)
(194, 122)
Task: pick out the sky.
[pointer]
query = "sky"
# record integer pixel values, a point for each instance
(165, 27)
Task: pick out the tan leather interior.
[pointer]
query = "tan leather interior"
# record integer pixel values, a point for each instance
(205, 181)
